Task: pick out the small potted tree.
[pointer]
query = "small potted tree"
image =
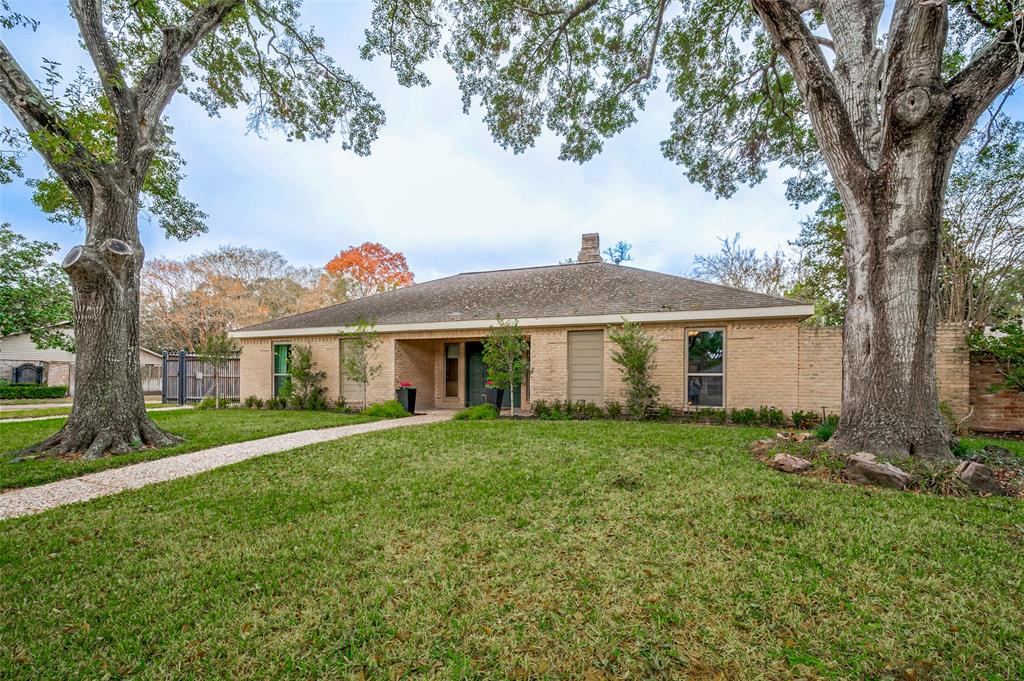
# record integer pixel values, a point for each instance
(505, 354)
(406, 396)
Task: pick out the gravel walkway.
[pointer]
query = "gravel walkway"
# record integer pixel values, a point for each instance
(37, 499)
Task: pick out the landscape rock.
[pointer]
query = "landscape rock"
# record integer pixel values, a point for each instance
(761, 447)
(980, 477)
(863, 468)
(803, 437)
(787, 463)
(783, 435)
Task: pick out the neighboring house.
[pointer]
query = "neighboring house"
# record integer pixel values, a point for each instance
(22, 362)
(718, 347)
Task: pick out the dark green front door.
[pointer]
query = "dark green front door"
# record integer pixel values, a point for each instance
(476, 377)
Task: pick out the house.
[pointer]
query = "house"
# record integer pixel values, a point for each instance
(22, 362)
(718, 347)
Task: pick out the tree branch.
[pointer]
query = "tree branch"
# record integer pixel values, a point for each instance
(163, 77)
(88, 14)
(825, 107)
(992, 71)
(72, 162)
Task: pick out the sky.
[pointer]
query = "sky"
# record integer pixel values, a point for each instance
(436, 186)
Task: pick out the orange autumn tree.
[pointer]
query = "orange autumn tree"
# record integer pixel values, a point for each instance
(370, 268)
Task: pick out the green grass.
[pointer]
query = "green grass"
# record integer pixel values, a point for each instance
(201, 429)
(496, 550)
(58, 411)
(977, 442)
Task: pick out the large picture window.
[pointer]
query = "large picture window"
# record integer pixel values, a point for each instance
(282, 357)
(451, 370)
(705, 367)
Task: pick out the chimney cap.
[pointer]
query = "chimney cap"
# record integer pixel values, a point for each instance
(590, 248)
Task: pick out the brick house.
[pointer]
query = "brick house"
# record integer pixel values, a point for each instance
(719, 347)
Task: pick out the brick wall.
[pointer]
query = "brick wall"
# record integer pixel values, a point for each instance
(993, 411)
(821, 368)
(414, 363)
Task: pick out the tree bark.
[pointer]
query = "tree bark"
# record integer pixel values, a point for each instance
(890, 403)
(108, 414)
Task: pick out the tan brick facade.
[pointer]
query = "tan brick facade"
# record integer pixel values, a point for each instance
(778, 363)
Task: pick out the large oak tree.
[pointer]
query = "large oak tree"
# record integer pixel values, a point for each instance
(105, 141)
(882, 99)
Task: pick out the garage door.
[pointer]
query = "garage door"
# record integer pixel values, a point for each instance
(351, 391)
(586, 366)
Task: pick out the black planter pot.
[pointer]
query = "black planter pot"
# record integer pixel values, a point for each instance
(495, 396)
(407, 398)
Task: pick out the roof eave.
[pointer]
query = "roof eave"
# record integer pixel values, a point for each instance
(773, 312)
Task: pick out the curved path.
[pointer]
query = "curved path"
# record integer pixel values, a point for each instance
(41, 498)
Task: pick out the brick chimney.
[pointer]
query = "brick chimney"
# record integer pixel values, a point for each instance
(590, 249)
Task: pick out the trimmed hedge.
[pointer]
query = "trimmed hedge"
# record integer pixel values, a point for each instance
(31, 391)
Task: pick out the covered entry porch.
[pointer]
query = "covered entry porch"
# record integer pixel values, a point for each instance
(448, 373)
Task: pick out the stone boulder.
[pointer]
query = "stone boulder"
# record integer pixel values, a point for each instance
(863, 468)
(761, 447)
(979, 477)
(787, 463)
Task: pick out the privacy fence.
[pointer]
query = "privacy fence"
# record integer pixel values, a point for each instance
(188, 379)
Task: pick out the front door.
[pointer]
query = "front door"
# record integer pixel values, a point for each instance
(476, 377)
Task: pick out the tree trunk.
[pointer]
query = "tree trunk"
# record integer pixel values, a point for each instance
(890, 403)
(109, 413)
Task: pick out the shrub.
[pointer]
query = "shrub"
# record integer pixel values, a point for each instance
(253, 402)
(212, 403)
(635, 357)
(664, 412)
(276, 403)
(386, 410)
(479, 412)
(744, 417)
(20, 391)
(804, 419)
(305, 385)
(613, 410)
(827, 428)
(770, 416)
(708, 415)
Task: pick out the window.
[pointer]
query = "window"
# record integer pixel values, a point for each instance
(705, 367)
(282, 355)
(451, 370)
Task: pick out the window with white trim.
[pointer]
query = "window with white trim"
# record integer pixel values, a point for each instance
(705, 367)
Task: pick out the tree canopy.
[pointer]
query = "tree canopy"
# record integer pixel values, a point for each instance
(35, 296)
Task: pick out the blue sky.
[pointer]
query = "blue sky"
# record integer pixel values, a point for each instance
(435, 187)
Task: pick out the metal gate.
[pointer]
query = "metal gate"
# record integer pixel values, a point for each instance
(186, 379)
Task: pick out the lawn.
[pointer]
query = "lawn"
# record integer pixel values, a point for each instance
(58, 411)
(201, 429)
(493, 550)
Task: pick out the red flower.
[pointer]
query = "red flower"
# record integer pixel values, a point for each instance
(404, 384)
(489, 383)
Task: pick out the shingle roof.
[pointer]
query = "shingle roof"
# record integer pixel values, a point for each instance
(550, 291)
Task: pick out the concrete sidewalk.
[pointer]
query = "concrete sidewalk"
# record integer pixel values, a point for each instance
(37, 499)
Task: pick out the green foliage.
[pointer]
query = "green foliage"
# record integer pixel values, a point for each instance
(358, 346)
(770, 416)
(213, 403)
(804, 419)
(743, 417)
(253, 402)
(613, 410)
(306, 385)
(35, 295)
(580, 410)
(664, 412)
(479, 412)
(17, 391)
(505, 354)
(277, 402)
(635, 357)
(391, 409)
(827, 428)
(1005, 347)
